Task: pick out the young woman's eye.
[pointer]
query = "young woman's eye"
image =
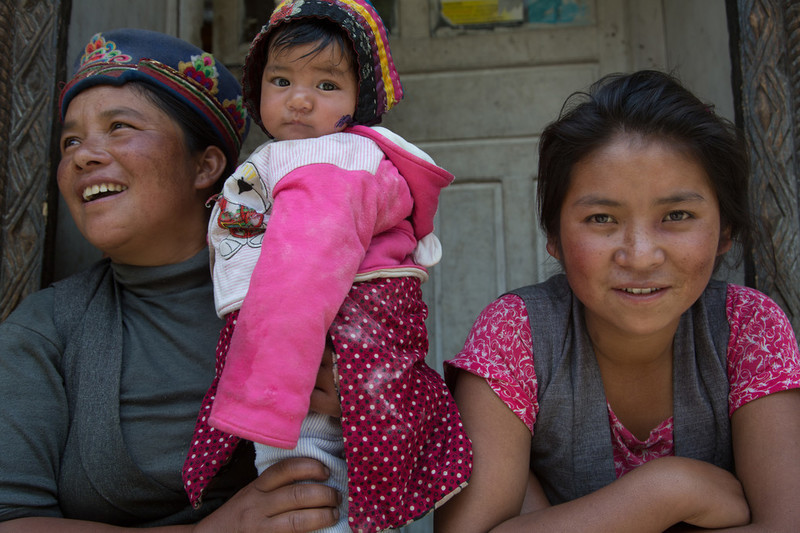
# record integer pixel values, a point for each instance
(327, 86)
(600, 218)
(677, 216)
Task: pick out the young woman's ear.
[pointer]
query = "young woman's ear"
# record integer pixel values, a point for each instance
(725, 241)
(210, 165)
(553, 248)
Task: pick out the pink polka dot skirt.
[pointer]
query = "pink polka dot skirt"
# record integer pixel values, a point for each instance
(211, 448)
(405, 446)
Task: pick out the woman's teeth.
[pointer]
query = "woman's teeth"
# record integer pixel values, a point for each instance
(94, 192)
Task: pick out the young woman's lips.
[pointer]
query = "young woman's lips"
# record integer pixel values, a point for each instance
(101, 190)
(648, 290)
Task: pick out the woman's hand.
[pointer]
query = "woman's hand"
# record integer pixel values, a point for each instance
(324, 397)
(276, 503)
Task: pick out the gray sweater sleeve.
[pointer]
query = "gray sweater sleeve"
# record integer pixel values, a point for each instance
(34, 418)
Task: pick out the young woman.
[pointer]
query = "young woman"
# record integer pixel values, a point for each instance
(632, 392)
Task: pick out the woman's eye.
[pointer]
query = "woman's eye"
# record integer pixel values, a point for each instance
(119, 126)
(69, 142)
(677, 216)
(327, 86)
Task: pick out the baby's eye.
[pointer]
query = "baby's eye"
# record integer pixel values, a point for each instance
(280, 82)
(676, 216)
(327, 86)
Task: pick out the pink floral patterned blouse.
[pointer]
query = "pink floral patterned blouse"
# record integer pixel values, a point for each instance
(763, 358)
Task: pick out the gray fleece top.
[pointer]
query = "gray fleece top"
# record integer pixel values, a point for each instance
(101, 379)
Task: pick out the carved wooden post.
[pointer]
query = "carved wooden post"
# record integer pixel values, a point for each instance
(766, 60)
(32, 41)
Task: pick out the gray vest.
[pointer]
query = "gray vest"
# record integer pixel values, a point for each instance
(99, 478)
(87, 312)
(571, 451)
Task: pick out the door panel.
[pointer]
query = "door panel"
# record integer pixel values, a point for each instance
(489, 103)
(477, 100)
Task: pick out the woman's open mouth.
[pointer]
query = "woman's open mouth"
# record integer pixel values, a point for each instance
(101, 190)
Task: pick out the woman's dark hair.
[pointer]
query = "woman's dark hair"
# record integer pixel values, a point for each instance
(656, 106)
(322, 32)
(197, 134)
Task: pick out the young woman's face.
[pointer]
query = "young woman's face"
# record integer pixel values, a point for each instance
(640, 233)
(128, 178)
(305, 96)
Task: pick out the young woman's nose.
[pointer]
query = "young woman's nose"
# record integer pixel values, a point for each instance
(640, 248)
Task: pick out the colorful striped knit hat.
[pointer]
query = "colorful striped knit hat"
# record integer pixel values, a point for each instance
(166, 64)
(379, 86)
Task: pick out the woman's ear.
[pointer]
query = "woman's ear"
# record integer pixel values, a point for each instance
(210, 165)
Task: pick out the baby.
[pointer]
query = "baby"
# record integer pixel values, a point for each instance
(324, 234)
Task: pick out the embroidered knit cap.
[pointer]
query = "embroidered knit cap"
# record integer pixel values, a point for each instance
(166, 64)
(379, 86)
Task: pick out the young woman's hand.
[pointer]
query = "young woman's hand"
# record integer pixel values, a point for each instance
(705, 495)
(276, 503)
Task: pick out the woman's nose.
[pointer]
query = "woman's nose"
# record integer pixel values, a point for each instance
(91, 151)
(641, 248)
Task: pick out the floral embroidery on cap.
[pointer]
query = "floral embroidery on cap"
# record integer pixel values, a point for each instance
(98, 49)
(285, 9)
(203, 69)
(236, 110)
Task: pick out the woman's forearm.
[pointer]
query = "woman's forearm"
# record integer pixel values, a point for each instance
(65, 525)
(653, 497)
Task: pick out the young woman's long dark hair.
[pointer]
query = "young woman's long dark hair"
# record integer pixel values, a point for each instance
(655, 106)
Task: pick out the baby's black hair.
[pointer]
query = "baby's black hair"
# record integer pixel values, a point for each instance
(321, 32)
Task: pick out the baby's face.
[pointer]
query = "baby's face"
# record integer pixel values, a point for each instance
(307, 94)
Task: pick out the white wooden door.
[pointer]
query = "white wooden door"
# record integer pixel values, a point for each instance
(477, 100)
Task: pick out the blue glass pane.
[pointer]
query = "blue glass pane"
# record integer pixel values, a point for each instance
(561, 12)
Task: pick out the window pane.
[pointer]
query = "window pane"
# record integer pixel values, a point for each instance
(488, 13)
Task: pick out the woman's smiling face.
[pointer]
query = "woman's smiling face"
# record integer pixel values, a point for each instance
(128, 178)
(639, 235)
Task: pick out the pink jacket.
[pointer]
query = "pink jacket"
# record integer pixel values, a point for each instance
(340, 212)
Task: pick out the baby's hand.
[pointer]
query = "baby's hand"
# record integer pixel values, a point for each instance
(325, 398)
